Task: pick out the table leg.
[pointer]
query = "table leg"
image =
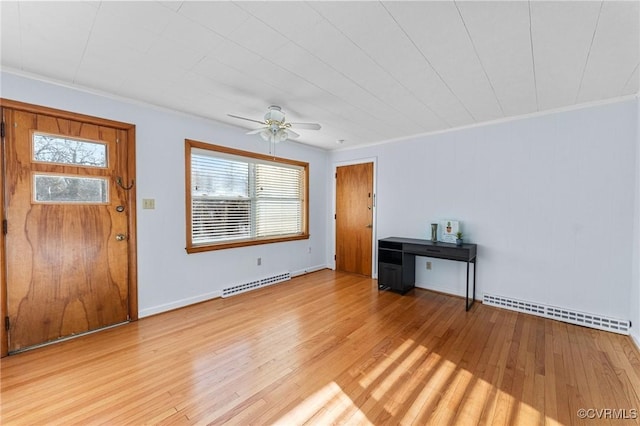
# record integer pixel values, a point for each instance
(466, 301)
(475, 274)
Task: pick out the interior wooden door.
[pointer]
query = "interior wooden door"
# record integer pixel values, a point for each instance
(354, 218)
(67, 264)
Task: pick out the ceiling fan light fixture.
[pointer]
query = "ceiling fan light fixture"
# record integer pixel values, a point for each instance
(266, 134)
(274, 135)
(276, 129)
(274, 114)
(280, 136)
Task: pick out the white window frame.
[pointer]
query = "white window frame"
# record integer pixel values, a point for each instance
(216, 151)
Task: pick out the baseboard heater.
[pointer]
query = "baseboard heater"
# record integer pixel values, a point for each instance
(252, 285)
(561, 314)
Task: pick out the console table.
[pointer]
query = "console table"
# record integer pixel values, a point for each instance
(397, 262)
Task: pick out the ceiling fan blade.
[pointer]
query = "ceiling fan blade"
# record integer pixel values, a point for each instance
(245, 118)
(256, 131)
(292, 134)
(308, 126)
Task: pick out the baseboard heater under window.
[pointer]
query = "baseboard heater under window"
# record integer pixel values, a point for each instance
(561, 314)
(252, 285)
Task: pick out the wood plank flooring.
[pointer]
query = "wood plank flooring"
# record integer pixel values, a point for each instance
(328, 348)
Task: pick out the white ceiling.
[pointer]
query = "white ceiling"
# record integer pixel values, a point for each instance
(367, 71)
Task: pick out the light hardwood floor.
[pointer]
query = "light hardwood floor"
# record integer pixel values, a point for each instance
(327, 348)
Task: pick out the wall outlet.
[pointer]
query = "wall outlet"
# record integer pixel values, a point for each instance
(309, 250)
(428, 266)
(259, 261)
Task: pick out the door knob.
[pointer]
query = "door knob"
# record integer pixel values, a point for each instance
(121, 237)
(369, 226)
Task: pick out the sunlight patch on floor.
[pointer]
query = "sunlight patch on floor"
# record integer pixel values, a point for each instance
(325, 407)
(530, 415)
(476, 400)
(385, 364)
(438, 389)
(402, 369)
(443, 372)
(452, 392)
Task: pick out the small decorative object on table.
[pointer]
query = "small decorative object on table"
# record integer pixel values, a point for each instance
(458, 238)
(449, 229)
(434, 232)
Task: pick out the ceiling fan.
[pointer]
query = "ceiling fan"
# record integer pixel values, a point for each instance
(276, 129)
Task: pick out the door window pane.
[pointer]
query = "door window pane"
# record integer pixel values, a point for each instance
(63, 150)
(69, 189)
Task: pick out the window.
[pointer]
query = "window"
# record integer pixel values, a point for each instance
(237, 198)
(49, 188)
(79, 185)
(64, 150)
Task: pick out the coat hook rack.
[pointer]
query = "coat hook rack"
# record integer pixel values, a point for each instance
(126, 188)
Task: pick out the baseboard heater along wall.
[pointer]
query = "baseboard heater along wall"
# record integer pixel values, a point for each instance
(561, 314)
(252, 285)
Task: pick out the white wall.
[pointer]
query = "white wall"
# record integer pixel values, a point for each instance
(167, 276)
(548, 199)
(635, 282)
(551, 200)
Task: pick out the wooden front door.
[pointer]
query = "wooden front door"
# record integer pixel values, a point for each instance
(67, 220)
(354, 218)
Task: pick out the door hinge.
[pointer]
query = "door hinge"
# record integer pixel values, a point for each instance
(334, 257)
(7, 323)
(335, 216)
(5, 226)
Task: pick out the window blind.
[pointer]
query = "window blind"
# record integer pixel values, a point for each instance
(278, 200)
(240, 198)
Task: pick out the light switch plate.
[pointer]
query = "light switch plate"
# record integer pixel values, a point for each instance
(148, 203)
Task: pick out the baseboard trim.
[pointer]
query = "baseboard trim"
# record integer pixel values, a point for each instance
(154, 310)
(443, 290)
(635, 341)
(308, 270)
(445, 293)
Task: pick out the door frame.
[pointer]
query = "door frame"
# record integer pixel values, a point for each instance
(332, 259)
(130, 129)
